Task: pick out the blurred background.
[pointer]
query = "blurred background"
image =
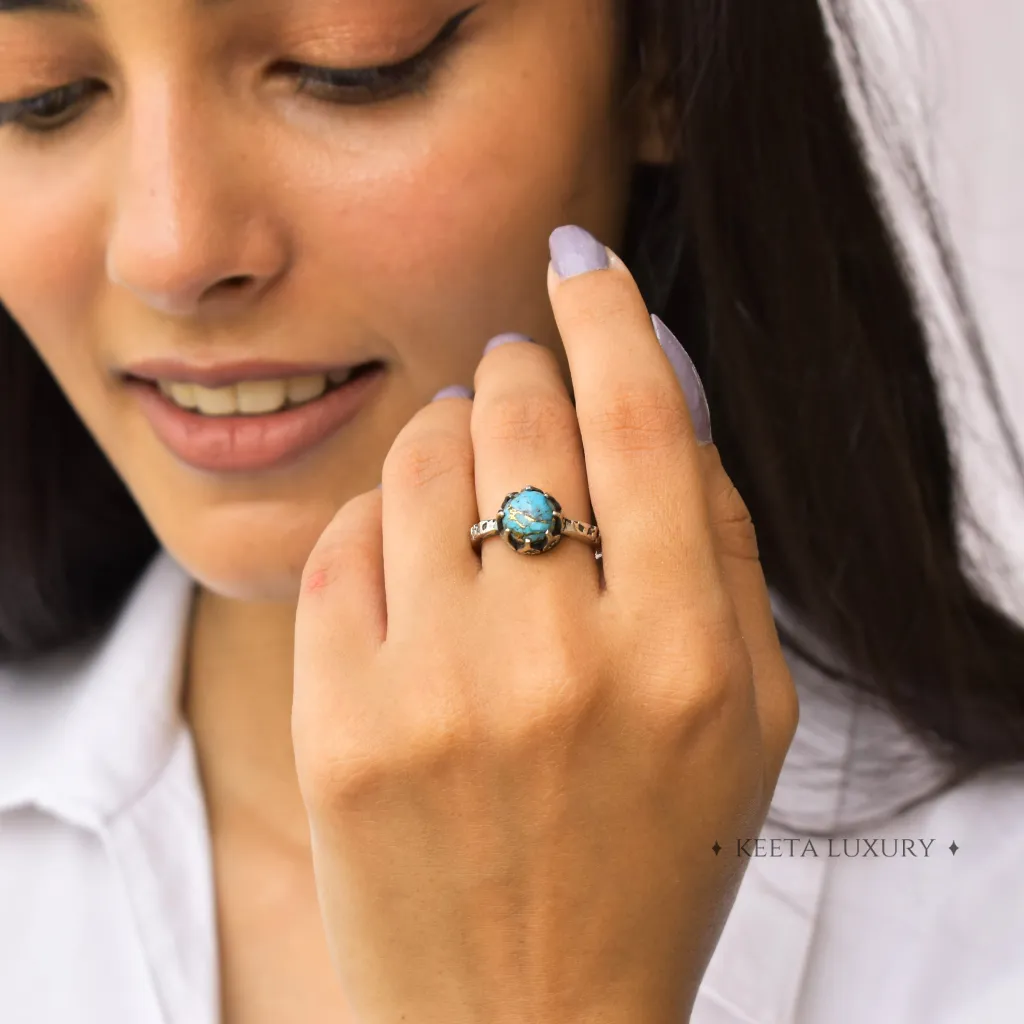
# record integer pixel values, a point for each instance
(953, 74)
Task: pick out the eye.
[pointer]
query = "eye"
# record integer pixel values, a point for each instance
(47, 112)
(361, 86)
(49, 107)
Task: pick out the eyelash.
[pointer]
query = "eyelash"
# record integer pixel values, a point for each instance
(375, 85)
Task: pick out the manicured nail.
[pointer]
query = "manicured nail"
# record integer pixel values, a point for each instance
(454, 391)
(576, 251)
(690, 380)
(503, 339)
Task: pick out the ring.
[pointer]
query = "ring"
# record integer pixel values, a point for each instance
(531, 521)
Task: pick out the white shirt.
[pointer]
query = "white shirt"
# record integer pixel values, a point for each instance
(107, 905)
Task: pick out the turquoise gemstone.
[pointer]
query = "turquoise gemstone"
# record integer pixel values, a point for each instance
(528, 515)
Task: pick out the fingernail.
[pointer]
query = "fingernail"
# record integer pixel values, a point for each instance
(502, 339)
(689, 379)
(380, 486)
(576, 251)
(454, 391)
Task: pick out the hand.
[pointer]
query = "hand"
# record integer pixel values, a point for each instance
(515, 767)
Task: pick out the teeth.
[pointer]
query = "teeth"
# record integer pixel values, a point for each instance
(261, 395)
(184, 395)
(303, 389)
(251, 396)
(216, 401)
(340, 376)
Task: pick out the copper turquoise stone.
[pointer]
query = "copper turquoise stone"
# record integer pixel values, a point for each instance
(528, 515)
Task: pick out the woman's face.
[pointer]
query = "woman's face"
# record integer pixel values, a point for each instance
(189, 203)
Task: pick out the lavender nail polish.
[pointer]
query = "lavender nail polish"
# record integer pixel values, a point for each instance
(689, 379)
(576, 251)
(453, 391)
(503, 339)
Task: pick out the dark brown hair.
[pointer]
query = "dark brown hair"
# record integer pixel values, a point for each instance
(768, 247)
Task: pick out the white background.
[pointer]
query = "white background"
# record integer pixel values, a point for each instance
(977, 85)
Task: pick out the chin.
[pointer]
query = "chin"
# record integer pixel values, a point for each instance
(252, 565)
(260, 584)
(246, 539)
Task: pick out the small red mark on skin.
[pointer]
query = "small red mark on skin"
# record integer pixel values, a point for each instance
(317, 581)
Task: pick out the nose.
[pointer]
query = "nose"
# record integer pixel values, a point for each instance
(192, 228)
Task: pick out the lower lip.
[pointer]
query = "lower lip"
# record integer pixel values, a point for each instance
(244, 443)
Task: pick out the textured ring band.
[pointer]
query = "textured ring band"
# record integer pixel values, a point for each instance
(531, 522)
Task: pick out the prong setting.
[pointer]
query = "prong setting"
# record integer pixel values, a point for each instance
(531, 522)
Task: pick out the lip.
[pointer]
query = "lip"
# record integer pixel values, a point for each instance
(224, 444)
(229, 373)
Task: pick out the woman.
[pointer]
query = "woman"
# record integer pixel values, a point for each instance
(279, 747)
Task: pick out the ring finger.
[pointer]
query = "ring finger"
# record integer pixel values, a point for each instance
(525, 434)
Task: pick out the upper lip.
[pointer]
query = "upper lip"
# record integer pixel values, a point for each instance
(221, 374)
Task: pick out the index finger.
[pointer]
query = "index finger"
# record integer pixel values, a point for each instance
(641, 449)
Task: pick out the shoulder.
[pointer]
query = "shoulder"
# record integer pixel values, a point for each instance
(82, 730)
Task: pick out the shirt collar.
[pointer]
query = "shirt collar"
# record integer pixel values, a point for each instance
(84, 731)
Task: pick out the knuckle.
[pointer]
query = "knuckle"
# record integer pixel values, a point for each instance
(342, 779)
(554, 703)
(341, 545)
(430, 743)
(732, 523)
(568, 702)
(439, 728)
(638, 419)
(525, 416)
(788, 714)
(419, 459)
(781, 718)
(716, 684)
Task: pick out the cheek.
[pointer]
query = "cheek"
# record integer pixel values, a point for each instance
(49, 279)
(451, 224)
(440, 213)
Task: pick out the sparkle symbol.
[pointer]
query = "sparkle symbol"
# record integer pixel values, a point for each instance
(953, 848)
(716, 848)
